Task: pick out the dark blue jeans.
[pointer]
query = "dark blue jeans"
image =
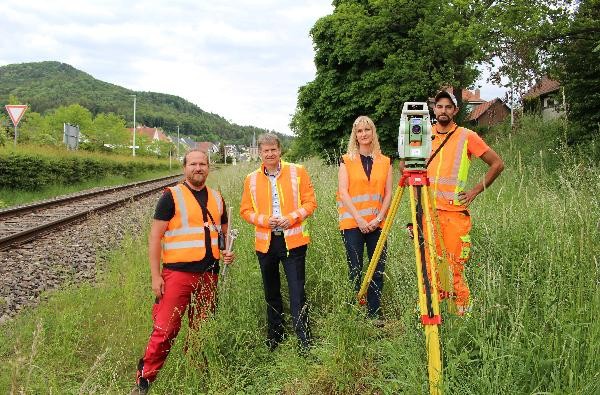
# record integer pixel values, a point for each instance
(293, 264)
(354, 242)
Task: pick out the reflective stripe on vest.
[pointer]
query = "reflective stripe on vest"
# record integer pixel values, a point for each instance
(289, 196)
(363, 213)
(185, 243)
(366, 194)
(177, 245)
(448, 186)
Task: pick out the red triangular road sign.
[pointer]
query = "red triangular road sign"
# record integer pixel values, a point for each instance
(16, 111)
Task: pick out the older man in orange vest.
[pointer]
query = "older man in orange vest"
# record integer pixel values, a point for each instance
(277, 199)
(189, 221)
(448, 170)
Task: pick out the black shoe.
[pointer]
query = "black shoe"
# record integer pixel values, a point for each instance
(272, 343)
(141, 387)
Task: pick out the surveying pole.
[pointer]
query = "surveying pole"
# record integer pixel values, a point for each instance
(414, 147)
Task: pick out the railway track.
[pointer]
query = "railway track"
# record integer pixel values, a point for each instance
(25, 223)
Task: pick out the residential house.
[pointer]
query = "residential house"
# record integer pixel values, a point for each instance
(470, 99)
(153, 133)
(207, 146)
(489, 113)
(546, 97)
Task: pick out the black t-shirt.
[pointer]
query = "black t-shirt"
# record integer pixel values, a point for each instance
(165, 211)
(367, 163)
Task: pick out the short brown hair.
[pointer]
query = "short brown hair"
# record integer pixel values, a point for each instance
(268, 138)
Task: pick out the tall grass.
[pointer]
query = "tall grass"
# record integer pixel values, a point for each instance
(534, 275)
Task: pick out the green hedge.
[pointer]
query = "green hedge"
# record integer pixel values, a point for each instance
(31, 172)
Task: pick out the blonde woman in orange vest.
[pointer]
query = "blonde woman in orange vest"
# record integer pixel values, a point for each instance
(448, 171)
(363, 198)
(277, 199)
(185, 236)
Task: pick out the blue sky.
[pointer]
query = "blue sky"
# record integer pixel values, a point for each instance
(243, 60)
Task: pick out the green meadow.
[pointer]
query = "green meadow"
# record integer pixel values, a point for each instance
(534, 276)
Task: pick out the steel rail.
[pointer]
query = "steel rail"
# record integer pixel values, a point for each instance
(12, 211)
(29, 234)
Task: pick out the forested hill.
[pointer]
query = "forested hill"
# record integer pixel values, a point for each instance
(47, 85)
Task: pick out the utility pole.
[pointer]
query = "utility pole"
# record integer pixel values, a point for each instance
(177, 142)
(134, 104)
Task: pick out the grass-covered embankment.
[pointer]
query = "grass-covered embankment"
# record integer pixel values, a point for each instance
(534, 276)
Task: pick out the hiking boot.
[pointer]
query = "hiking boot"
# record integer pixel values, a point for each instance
(379, 323)
(141, 387)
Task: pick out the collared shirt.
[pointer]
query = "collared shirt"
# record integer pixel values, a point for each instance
(274, 194)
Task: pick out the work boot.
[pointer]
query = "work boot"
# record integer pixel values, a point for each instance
(141, 387)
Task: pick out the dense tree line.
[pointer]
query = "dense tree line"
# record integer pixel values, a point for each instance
(373, 55)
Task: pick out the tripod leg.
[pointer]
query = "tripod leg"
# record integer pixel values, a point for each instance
(428, 302)
(425, 289)
(434, 359)
(428, 225)
(380, 243)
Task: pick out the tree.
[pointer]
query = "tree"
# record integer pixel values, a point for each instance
(520, 38)
(107, 129)
(371, 56)
(73, 114)
(580, 73)
(35, 129)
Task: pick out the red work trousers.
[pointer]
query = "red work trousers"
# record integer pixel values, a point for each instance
(194, 291)
(455, 227)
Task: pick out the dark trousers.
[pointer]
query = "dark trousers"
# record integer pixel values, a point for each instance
(355, 241)
(293, 264)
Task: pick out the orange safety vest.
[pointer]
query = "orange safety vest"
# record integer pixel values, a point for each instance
(366, 193)
(293, 185)
(184, 239)
(449, 170)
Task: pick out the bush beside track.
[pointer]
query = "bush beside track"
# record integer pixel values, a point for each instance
(34, 170)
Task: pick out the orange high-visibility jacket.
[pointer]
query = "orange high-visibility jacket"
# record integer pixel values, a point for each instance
(448, 172)
(184, 239)
(296, 198)
(367, 194)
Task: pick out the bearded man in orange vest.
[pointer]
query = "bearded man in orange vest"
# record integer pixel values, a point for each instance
(448, 170)
(277, 199)
(189, 221)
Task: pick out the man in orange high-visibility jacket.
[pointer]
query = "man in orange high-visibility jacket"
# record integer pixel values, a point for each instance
(188, 221)
(277, 199)
(448, 170)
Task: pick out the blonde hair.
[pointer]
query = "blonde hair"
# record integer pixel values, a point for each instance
(353, 142)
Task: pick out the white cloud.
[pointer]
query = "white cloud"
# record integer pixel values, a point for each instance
(241, 59)
(244, 59)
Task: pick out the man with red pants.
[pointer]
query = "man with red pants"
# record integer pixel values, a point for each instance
(187, 233)
(448, 170)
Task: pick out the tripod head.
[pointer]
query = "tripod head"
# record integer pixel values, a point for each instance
(414, 135)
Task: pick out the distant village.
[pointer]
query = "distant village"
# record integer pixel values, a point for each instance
(230, 152)
(545, 97)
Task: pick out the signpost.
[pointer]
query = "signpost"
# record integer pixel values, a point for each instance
(16, 111)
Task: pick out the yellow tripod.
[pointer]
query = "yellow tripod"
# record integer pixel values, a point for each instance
(417, 182)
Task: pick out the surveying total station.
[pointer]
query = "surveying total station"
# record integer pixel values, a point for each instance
(414, 135)
(414, 148)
